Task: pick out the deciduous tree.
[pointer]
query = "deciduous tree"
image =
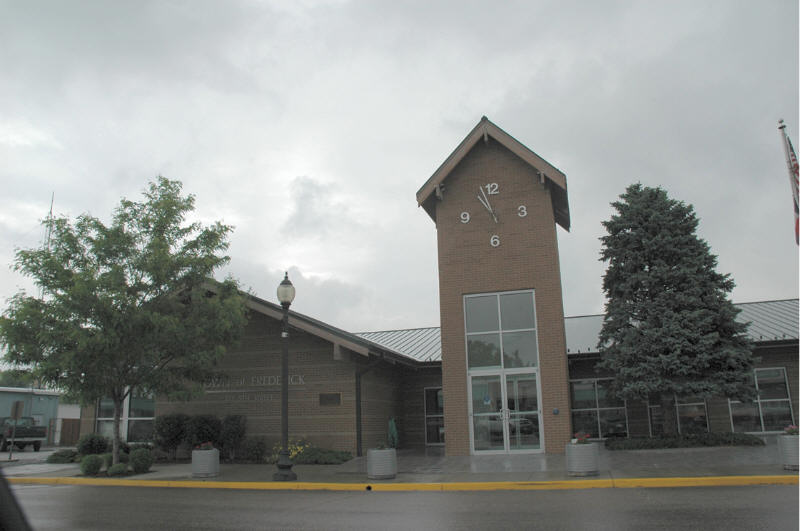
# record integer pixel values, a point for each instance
(125, 306)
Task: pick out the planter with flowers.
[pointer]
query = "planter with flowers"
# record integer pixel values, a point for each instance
(787, 443)
(205, 461)
(582, 456)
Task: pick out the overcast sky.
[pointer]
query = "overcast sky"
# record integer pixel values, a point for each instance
(310, 126)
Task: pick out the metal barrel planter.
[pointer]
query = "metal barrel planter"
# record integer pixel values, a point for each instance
(381, 463)
(788, 445)
(582, 459)
(205, 463)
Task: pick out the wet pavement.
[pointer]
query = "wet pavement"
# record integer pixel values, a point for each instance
(432, 466)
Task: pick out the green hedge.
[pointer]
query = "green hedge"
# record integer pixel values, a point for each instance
(322, 456)
(120, 469)
(66, 455)
(252, 450)
(141, 460)
(685, 441)
(93, 443)
(91, 465)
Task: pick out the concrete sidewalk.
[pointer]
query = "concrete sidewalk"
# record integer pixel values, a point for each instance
(671, 467)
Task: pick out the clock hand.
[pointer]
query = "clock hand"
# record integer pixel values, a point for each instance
(485, 202)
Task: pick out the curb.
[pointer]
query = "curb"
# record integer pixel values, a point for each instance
(622, 483)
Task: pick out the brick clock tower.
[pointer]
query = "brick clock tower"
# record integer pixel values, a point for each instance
(504, 359)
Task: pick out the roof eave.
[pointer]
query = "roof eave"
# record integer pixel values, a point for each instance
(556, 180)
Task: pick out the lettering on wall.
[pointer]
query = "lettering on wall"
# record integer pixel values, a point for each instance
(223, 384)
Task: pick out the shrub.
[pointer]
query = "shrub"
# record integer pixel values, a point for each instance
(322, 456)
(169, 431)
(92, 443)
(108, 458)
(203, 428)
(685, 441)
(252, 450)
(136, 446)
(141, 460)
(91, 465)
(66, 455)
(120, 469)
(232, 434)
(160, 455)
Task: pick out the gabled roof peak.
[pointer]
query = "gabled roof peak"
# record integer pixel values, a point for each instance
(555, 179)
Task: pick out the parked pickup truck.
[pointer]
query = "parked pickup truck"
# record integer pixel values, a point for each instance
(26, 433)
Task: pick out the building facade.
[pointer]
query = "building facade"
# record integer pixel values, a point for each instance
(505, 372)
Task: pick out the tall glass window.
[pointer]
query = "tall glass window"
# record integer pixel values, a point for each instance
(502, 362)
(595, 412)
(136, 421)
(772, 408)
(434, 416)
(501, 331)
(690, 410)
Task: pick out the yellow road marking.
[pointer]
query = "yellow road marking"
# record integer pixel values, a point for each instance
(625, 483)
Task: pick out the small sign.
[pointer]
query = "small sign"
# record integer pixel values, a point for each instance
(487, 400)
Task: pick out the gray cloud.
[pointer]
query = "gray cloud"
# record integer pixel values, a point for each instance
(238, 99)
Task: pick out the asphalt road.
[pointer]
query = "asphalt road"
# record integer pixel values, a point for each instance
(706, 508)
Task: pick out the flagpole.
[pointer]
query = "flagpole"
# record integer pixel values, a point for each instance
(792, 165)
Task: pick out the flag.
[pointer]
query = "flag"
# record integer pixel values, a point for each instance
(791, 162)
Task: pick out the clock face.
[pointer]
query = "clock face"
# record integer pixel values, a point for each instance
(486, 193)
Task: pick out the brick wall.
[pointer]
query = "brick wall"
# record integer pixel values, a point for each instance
(251, 387)
(527, 258)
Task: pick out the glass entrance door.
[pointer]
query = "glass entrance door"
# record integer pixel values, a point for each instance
(522, 412)
(505, 415)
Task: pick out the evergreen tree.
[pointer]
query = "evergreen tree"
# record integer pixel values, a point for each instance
(129, 306)
(669, 329)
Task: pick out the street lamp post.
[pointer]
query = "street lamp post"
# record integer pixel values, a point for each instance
(285, 297)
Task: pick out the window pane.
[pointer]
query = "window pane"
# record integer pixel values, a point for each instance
(105, 409)
(488, 432)
(481, 314)
(612, 423)
(692, 419)
(690, 399)
(486, 394)
(434, 402)
(777, 415)
(523, 431)
(142, 406)
(519, 349)
(582, 394)
(771, 384)
(483, 350)
(745, 417)
(585, 422)
(106, 428)
(516, 311)
(434, 430)
(140, 430)
(604, 398)
(656, 421)
(521, 392)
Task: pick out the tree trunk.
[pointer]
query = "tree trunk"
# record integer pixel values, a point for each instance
(116, 444)
(670, 415)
